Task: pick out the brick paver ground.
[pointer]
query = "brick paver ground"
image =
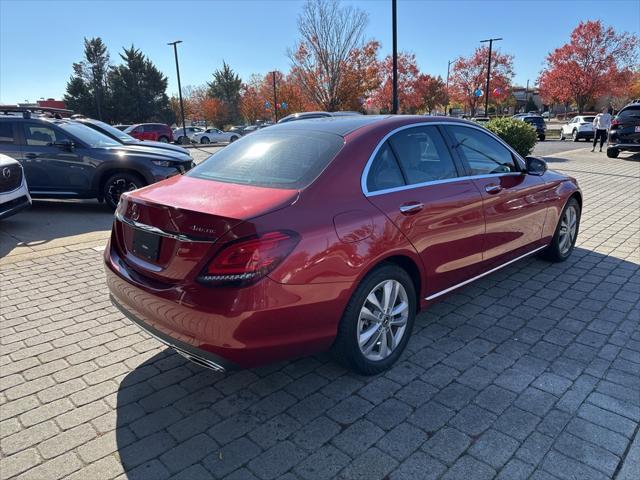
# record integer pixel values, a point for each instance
(532, 372)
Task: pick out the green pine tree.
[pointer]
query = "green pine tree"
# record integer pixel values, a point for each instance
(87, 89)
(226, 87)
(139, 90)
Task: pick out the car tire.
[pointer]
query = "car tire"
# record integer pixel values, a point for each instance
(205, 140)
(233, 139)
(574, 135)
(613, 152)
(541, 138)
(163, 139)
(561, 135)
(568, 224)
(355, 329)
(117, 184)
(181, 140)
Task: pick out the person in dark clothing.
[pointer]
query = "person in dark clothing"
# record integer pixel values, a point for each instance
(601, 125)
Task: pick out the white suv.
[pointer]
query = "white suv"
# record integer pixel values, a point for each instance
(14, 194)
(578, 127)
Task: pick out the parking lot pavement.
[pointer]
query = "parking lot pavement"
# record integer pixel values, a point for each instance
(531, 372)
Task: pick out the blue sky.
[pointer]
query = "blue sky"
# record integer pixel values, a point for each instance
(39, 40)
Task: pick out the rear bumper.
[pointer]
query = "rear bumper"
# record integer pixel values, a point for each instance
(201, 357)
(13, 206)
(230, 327)
(628, 147)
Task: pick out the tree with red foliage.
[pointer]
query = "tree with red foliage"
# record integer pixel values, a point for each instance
(409, 99)
(214, 111)
(432, 92)
(596, 61)
(470, 74)
(252, 102)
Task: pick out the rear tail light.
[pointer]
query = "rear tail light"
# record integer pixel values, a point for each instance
(250, 259)
(615, 122)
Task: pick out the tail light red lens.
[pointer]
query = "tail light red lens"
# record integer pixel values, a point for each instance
(615, 122)
(248, 260)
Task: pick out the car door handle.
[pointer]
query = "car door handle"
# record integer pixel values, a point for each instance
(411, 208)
(493, 188)
(30, 156)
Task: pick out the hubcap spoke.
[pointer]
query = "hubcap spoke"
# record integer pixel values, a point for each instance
(390, 294)
(366, 314)
(367, 334)
(373, 299)
(372, 342)
(398, 309)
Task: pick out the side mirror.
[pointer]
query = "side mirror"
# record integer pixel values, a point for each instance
(536, 166)
(67, 145)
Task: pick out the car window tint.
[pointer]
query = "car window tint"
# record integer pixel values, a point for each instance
(482, 153)
(630, 112)
(423, 155)
(41, 135)
(384, 171)
(282, 159)
(6, 132)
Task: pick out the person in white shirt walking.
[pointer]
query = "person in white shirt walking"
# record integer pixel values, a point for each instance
(601, 125)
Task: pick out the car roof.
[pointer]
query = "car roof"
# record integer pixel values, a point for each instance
(345, 125)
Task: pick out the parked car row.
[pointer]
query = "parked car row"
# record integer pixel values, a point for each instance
(81, 158)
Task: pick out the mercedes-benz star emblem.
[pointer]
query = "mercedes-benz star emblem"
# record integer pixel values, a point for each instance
(6, 172)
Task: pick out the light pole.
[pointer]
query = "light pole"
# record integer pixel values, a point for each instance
(486, 94)
(394, 28)
(446, 107)
(175, 51)
(275, 96)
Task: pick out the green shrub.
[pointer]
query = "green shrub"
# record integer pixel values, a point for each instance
(518, 134)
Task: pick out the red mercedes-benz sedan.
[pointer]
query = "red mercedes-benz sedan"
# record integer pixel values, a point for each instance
(329, 233)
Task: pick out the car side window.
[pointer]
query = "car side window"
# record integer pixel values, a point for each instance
(423, 155)
(41, 135)
(384, 172)
(6, 132)
(482, 153)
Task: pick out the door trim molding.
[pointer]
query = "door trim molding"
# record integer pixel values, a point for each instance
(447, 290)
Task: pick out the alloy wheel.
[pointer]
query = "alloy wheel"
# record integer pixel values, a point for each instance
(382, 321)
(119, 186)
(568, 229)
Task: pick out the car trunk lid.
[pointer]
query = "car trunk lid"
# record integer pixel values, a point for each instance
(167, 231)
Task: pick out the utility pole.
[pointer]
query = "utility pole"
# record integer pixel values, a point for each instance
(486, 93)
(175, 51)
(394, 27)
(275, 96)
(526, 95)
(446, 108)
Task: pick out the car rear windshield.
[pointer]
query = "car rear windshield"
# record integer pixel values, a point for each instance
(534, 120)
(588, 119)
(280, 159)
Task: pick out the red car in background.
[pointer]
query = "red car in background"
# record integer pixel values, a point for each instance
(329, 233)
(157, 132)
